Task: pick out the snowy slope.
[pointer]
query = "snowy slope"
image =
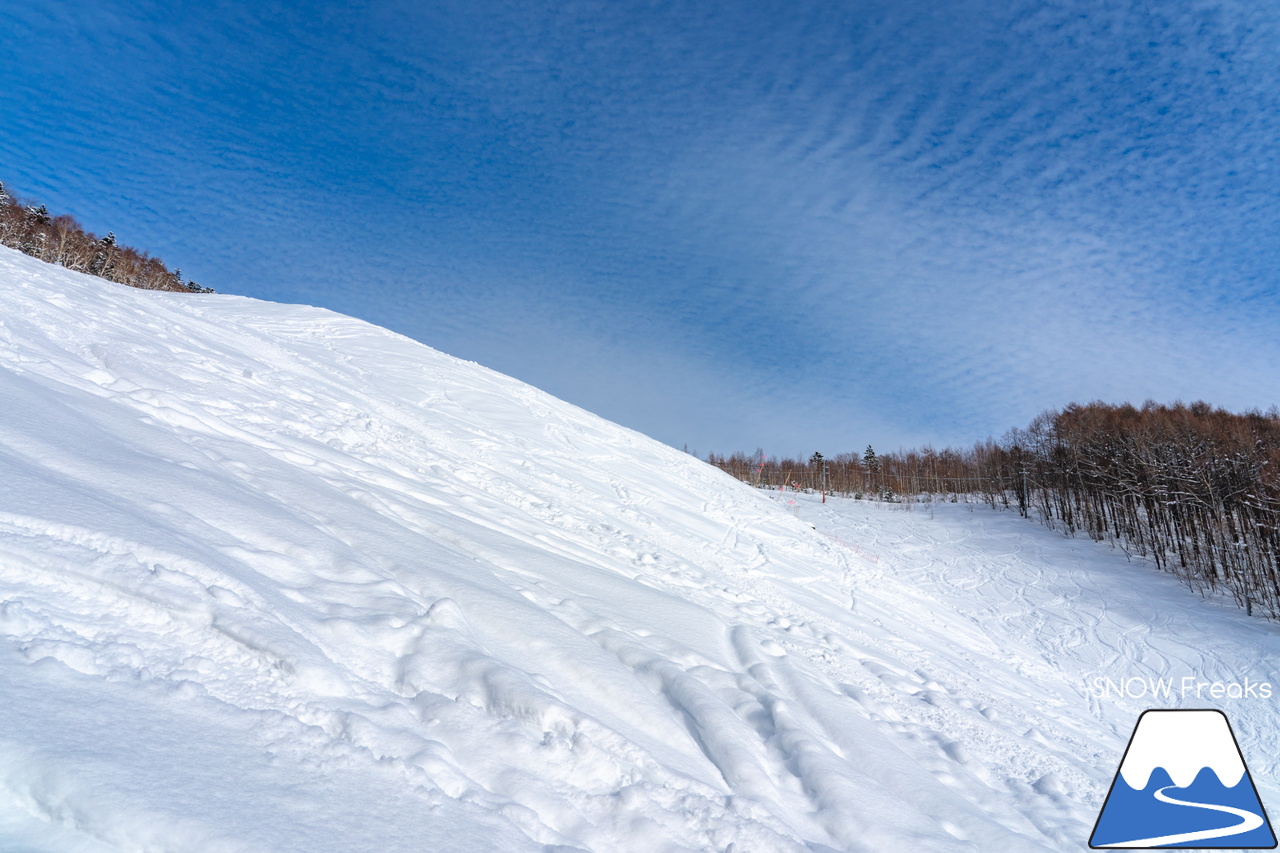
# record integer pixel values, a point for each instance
(273, 579)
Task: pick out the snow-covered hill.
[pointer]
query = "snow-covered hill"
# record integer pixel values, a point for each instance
(274, 579)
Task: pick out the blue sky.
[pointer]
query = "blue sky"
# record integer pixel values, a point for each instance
(801, 226)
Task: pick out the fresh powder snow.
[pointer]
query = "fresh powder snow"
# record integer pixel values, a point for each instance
(275, 579)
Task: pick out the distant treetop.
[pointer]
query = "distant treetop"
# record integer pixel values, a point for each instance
(61, 240)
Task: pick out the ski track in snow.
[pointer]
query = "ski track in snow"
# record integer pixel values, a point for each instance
(275, 579)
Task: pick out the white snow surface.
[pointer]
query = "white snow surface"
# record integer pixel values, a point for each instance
(274, 579)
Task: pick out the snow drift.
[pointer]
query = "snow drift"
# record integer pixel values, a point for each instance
(275, 579)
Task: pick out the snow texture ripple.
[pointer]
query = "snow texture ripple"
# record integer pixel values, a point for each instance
(274, 579)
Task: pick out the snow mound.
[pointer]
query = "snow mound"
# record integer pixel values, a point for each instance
(275, 579)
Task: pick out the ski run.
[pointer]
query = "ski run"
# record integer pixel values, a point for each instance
(275, 579)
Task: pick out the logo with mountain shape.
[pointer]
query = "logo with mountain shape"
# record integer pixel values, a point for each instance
(1183, 783)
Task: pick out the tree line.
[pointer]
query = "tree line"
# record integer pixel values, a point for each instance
(61, 240)
(1194, 487)
(903, 476)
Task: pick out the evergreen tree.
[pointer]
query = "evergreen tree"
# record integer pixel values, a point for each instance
(8, 222)
(102, 255)
(820, 471)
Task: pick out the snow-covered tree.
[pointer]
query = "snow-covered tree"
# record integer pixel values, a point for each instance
(101, 262)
